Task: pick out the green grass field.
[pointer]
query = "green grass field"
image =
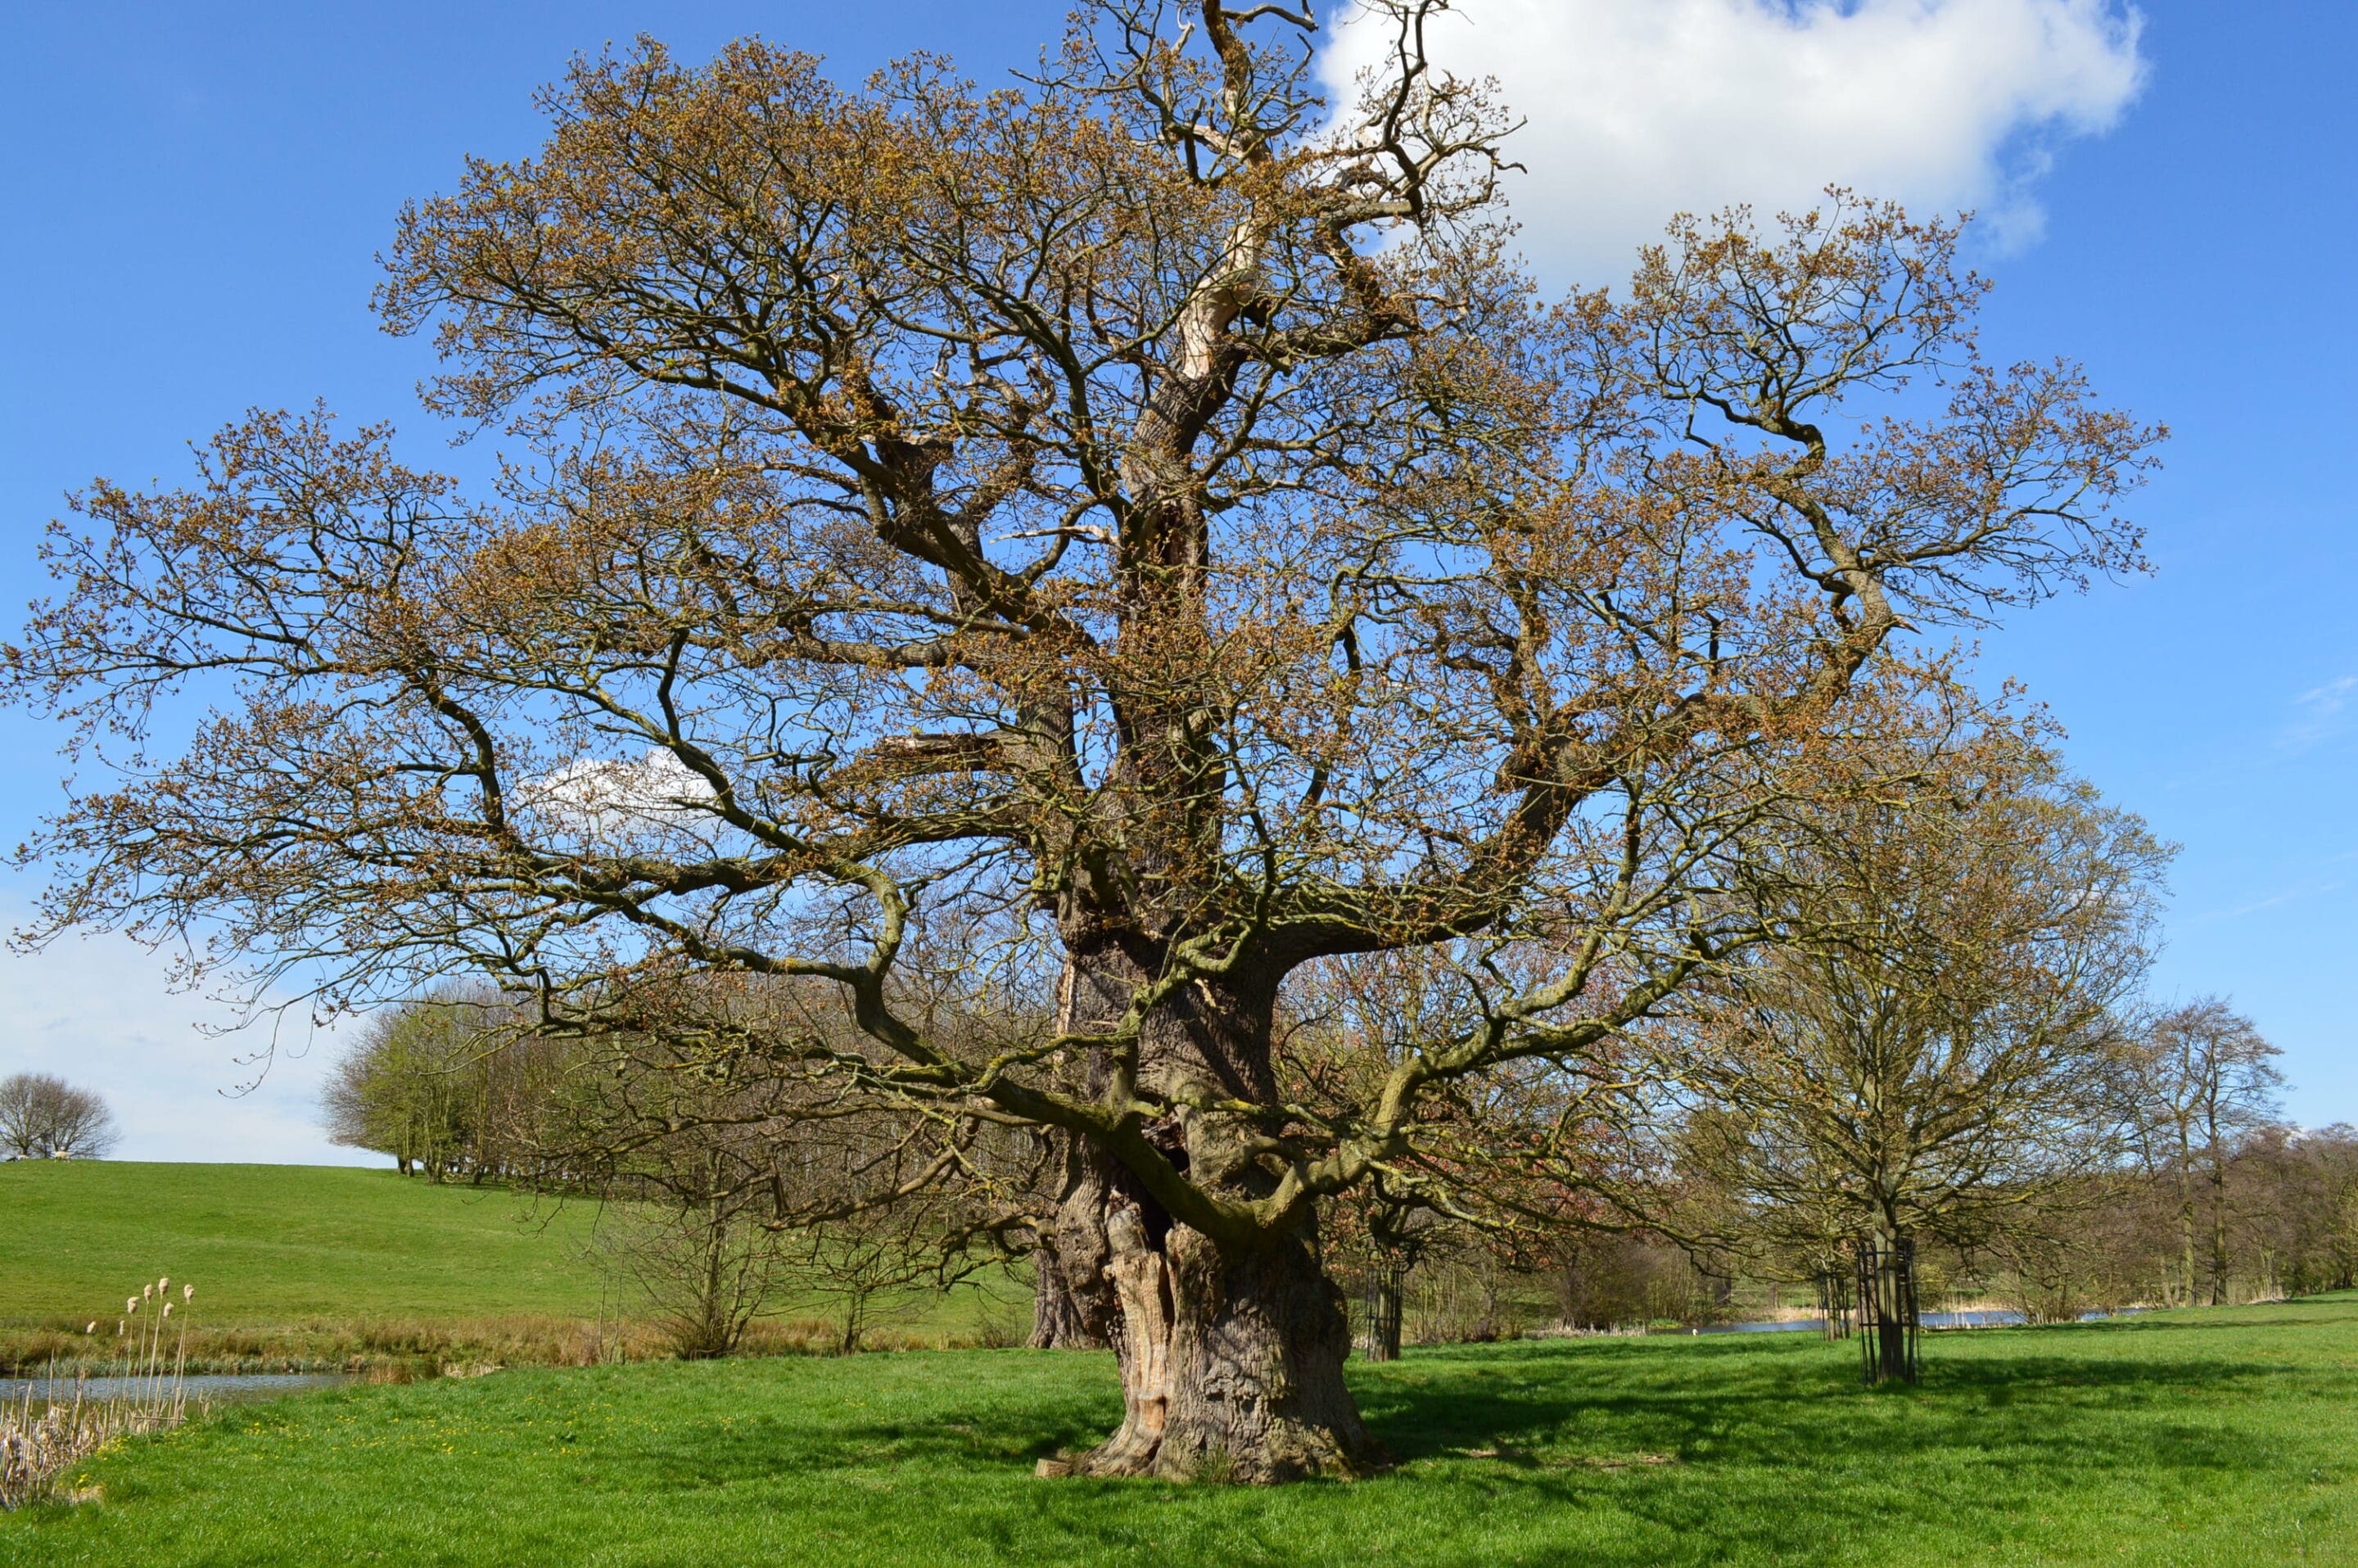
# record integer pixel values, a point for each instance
(326, 1266)
(2227, 1436)
(274, 1244)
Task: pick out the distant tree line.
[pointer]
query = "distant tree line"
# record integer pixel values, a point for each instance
(452, 1086)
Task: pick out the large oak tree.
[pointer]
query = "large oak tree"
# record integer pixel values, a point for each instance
(1138, 515)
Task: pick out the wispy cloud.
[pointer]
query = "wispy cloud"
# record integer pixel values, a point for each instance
(2275, 900)
(2321, 714)
(1635, 109)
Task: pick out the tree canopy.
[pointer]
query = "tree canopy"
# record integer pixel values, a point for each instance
(1942, 1037)
(1137, 529)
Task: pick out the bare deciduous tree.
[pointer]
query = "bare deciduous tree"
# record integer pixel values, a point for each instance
(694, 1243)
(1142, 514)
(2205, 1077)
(45, 1118)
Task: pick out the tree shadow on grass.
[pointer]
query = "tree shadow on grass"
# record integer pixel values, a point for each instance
(937, 1419)
(1744, 1404)
(1619, 1452)
(1586, 1410)
(1680, 1441)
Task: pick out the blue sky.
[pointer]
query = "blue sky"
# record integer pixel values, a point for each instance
(195, 194)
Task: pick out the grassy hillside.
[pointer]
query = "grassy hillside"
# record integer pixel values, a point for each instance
(2193, 1438)
(308, 1266)
(274, 1244)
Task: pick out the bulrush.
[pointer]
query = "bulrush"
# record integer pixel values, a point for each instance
(36, 1449)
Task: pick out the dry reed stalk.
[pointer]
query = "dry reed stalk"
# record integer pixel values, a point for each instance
(38, 1449)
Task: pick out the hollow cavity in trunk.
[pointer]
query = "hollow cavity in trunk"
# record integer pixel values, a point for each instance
(1231, 1362)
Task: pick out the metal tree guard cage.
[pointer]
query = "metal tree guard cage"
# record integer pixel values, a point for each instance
(1886, 1283)
(1834, 1299)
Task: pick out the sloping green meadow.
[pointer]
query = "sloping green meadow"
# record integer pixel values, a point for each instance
(268, 1244)
(2226, 1436)
(323, 1266)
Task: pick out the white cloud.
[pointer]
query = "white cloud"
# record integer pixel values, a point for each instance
(614, 801)
(101, 1012)
(1638, 109)
(2323, 713)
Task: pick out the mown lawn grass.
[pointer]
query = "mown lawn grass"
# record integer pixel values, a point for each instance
(2226, 1437)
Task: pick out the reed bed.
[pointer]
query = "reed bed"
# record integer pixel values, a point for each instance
(43, 1436)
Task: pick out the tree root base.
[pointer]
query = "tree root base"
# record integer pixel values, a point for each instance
(1216, 1464)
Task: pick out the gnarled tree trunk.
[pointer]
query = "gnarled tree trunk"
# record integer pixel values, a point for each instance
(1057, 1320)
(1231, 1350)
(1231, 1365)
(1073, 1296)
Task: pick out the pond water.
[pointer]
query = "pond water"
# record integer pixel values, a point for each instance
(216, 1388)
(1987, 1319)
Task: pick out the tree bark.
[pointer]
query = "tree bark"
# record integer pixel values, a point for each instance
(1231, 1365)
(1073, 1298)
(1056, 1320)
(1231, 1351)
(2186, 1224)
